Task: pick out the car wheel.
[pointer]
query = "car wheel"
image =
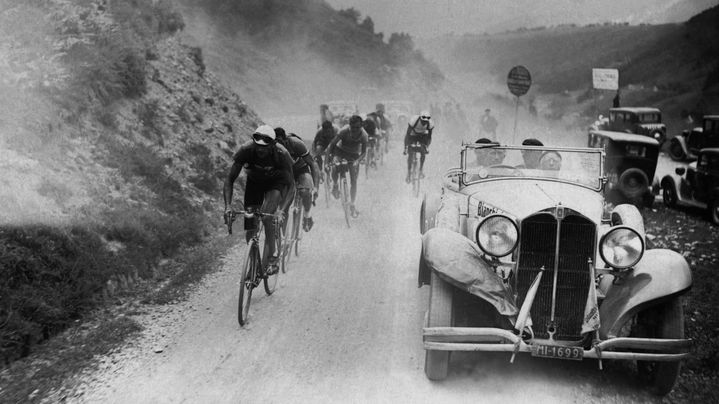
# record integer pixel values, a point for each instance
(669, 194)
(436, 363)
(633, 184)
(676, 152)
(714, 211)
(663, 321)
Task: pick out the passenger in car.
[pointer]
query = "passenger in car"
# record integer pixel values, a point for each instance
(531, 157)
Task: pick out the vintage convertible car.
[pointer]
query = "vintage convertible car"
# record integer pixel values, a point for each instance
(523, 255)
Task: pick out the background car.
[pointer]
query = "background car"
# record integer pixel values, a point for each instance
(639, 120)
(630, 165)
(696, 185)
(533, 260)
(687, 145)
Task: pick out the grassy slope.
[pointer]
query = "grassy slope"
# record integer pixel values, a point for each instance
(671, 66)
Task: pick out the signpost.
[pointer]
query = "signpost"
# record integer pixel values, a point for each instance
(518, 81)
(604, 79)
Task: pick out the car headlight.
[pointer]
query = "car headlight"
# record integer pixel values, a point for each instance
(622, 247)
(497, 235)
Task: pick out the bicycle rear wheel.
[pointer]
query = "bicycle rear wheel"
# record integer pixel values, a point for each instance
(297, 229)
(415, 176)
(247, 283)
(345, 199)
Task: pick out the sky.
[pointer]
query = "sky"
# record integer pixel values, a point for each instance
(431, 18)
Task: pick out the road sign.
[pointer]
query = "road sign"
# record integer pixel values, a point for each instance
(605, 79)
(519, 80)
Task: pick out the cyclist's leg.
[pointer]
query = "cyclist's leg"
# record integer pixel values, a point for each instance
(254, 195)
(354, 171)
(421, 160)
(273, 196)
(410, 158)
(305, 185)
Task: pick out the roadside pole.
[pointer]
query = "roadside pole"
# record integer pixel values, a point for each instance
(518, 81)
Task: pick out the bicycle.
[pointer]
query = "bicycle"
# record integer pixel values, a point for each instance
(343, 166)
(371, 158)
(253, 271)
(328, 182)
(415, 174)
(295, 234)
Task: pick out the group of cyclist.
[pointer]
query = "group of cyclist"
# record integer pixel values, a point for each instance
(279, 165)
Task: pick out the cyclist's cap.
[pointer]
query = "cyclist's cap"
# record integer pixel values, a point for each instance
(379, 106)
(355, 120)
(424, 115)
(264, 135)
(326, 125)
(532, 142)
(280, 132)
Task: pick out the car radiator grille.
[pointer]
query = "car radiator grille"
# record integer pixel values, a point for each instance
(537, 249)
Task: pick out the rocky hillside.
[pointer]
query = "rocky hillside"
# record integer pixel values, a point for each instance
(113, 142)
(312, 52)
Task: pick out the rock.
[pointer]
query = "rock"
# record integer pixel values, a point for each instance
(158, 349)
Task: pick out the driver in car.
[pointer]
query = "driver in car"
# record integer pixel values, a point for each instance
(485, 157)
(531, 157)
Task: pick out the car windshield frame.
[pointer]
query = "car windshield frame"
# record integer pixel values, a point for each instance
(583, 166)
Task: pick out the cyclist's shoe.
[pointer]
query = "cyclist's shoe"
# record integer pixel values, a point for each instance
(353, 211)
(421, 174)
(273, 265)
(335, 192)
(408, 179)
(307, 223)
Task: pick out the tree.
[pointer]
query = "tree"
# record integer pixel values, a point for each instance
(368, 25)
(351, 14)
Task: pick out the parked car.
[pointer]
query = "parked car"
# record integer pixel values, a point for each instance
(687, 145)
(523, 255)
(695, 185)
(640, 120)
(630, 164)
(338, 112)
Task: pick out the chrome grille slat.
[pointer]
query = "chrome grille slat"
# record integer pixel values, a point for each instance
(537, 249)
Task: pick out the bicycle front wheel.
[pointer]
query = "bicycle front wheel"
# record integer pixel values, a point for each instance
(247, 283)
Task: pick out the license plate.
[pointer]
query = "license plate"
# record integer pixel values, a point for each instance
(558, 352)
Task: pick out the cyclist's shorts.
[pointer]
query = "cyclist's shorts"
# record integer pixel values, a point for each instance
(255, 191)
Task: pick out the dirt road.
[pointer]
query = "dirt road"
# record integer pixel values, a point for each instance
(343, 326)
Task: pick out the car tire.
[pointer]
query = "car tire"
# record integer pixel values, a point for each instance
(436, 363)
(633, 184)
(669, 193)
(665, 321)
(714, 211)
(676, 152)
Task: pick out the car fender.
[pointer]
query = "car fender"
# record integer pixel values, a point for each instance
(437, 211)
(660, 274)
(628, 215)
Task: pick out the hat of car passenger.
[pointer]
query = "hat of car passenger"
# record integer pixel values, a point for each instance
(532, 142)
(264, 135)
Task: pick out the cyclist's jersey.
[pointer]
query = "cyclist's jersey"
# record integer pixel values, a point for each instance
(324, 137)
(275, 167)
(370, 126)
(349, 143)
(298, 150)
(384, 123)
(417, 131)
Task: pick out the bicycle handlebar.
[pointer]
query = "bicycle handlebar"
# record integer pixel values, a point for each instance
(248, 214)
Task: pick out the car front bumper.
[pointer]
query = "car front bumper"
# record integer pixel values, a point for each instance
(501, 340)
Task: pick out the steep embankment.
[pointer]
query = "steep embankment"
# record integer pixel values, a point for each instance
(312, 53)
(113, 138)
(673, 66)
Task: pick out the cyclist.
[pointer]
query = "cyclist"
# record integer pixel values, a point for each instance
(305, 172)
(370, 126)
(323, 137)
(385, 125)
(349, 144)
(270, 185)
(419, 130)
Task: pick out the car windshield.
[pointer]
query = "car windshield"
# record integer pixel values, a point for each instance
(581, 166)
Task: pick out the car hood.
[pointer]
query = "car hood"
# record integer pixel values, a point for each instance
(522, 198)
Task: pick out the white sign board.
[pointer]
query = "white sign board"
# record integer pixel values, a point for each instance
(605, 79)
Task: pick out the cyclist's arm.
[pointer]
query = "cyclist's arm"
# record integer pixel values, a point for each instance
(407, 136)
(331, 146)
(230, 182)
